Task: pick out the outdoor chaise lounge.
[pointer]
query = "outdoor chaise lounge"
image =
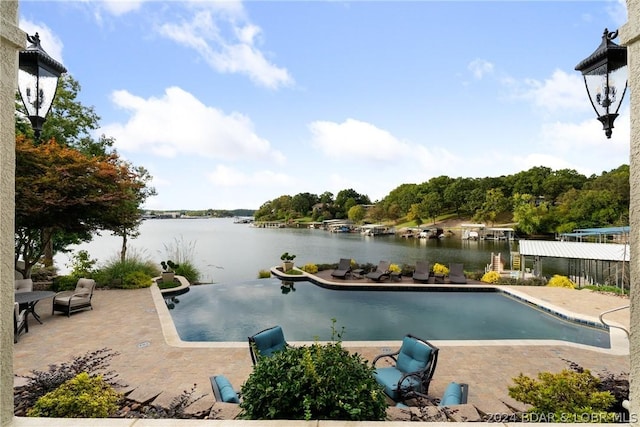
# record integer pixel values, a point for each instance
(343, 270)
(223, 391)
(71, 301)
(456, 274)
(266, 342)
(381, 272)
(411, 375)
(423, 271)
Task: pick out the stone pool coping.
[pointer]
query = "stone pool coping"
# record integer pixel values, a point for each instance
(618, 339)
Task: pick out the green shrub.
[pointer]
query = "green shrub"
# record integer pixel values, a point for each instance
(115, 271)
(189, 271)
(321, 381)
(490, 277)
(568, 396)
(82, 265)
(558, 281)
(64, 283)
(264, 274)
(310, 268)
(136, 280)
(80, 397)
(39, 383)
(607, 289)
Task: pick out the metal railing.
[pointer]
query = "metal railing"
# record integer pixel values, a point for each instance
(624, 307)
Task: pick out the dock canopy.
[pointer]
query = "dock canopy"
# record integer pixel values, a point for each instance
(575, 250)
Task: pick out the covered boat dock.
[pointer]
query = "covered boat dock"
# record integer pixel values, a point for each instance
(589, 262)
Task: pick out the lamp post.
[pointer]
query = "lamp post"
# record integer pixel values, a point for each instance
(37, 82)
(605, 77)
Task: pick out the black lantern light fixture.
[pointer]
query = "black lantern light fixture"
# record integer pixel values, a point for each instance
(37, 81)
(605, 76)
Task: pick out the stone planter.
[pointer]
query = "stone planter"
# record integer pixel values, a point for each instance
(286, 266)
(168, 276)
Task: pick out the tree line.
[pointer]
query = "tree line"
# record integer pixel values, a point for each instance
(539, 200)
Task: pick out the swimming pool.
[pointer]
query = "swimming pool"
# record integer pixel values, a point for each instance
(232, 312)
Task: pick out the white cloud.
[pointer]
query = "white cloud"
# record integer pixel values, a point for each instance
(49, 41)
(480, 67)
(354, 139)
(560, 93)
(121, 7)
(179, 124)
(233, 51)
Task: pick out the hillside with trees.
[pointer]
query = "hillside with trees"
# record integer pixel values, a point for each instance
(538, 201)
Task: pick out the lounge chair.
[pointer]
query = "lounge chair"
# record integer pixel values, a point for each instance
(223, 390)
(415, 364)
(79, 299)
(423, 271)
(381, 272)
(265, 343)
(23, 285)
(20, 323)
(456, 274)
(343, 270)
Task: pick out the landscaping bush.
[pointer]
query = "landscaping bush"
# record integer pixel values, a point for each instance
(39, 383)
(264, 274)
(82, 265)
(440, 269)
(310, 268)
(321, 381)
(188, 271)
(64, 283)
(395, 268)
(558, 281)
(136, 280)
(80, 397)
(114, 272)
(490, 277)
(565, 397)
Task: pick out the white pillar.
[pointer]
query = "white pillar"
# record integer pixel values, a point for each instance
(12, 39)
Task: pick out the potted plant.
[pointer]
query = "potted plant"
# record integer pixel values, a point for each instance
(168, 270)
(287, 261)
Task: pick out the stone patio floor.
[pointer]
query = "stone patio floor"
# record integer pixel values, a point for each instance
(129, 322)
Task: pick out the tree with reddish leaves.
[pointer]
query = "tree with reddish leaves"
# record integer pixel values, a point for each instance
(61, 190)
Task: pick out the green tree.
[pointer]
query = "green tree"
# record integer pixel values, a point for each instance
(527, 214)
(62, 190)
(357, 213)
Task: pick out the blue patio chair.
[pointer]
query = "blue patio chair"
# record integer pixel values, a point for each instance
(266, 342)
(223, 390)
(415, 364)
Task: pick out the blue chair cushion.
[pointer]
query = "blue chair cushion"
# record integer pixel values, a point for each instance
(389, 377)
(227, 393)
(452, 395)
(270, 341)
(414, 355)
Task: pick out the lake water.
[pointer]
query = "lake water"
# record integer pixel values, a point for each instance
(225, 252)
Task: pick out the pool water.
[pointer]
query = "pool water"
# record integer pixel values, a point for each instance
(232, 312)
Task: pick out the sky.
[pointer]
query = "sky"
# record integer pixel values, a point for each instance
(231, 104)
